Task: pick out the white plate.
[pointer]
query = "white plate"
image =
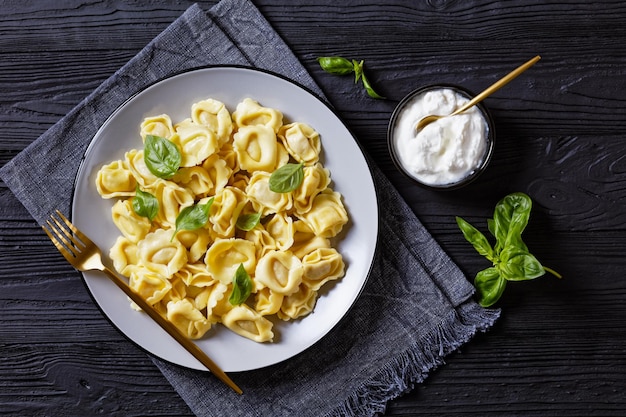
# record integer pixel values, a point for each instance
(341, 154)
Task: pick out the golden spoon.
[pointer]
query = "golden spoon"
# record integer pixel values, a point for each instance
(480, 97)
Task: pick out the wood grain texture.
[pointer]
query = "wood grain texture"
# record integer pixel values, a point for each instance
(560, 346)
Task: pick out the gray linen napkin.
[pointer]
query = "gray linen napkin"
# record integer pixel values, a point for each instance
(416, 306)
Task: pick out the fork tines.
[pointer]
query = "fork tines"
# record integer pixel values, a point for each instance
(64, 234)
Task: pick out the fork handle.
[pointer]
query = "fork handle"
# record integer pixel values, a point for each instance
(172, 330)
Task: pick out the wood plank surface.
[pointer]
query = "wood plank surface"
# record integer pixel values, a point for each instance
(559, 348)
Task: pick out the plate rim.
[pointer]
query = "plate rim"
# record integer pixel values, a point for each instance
(318, 98)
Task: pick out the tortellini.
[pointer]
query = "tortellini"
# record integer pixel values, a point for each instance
(214, 115)
(316, 179)
(160, 125)
(151, 285)
(116, 180)
(187, 318)
(302, 142)
(132, 226)
(327, 215)
(225, 255)
(279, 271)
(136, 164)
(172, 199)
(225, 211)
(264, 200)
(196, 142)
(256, 148)
(250, 113)
(321, 266)
(188, 273)
(247, 322)
(160, 253)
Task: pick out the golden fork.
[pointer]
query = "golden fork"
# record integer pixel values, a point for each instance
(84, 255)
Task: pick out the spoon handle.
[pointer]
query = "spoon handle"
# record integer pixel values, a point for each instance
(497, 85)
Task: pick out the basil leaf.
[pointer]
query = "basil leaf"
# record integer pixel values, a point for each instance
(161, 156)
(358, 70)
(242, 286)
(369, 88)
(514, 240)
(519, 265)
(489, 286)
(335, 65)
(145, 204)
(287, 178)
(476, 238)
(510, 218)
(491, 226)
(193, 217)
(248, 222)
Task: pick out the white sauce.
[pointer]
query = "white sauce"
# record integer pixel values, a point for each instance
(447, 150)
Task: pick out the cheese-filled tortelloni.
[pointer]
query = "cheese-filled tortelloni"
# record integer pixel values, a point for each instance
(219, 173)
(321, 266)
(301, 141)
(268, 302)
(195, 241)
(256, 148)
(132, 226)
(115, 180)
(247, 322)
(160, 125)
(250, 113)
(160, 253)
(225, 255)
(151, 285)
(136, 164)
(196, 142)
(184, 260)
(187, 318)
(280, 271)
(264, 200)
(280, 227)
(298, 304)
(196, 180)
(214, 115)
(172, 199)
(316, 179)
(327, 215)
(124, 255)
(225, 210)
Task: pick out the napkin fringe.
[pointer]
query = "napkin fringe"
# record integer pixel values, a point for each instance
(413, 366)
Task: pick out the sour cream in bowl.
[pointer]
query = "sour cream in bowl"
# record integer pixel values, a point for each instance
(448, 153)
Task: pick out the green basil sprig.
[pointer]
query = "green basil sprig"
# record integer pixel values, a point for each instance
(247, 222)
(161, 156)
(145, 204)
(193, 217)
(242, 286)
(287, 178)
(341, 66)
(510, 256)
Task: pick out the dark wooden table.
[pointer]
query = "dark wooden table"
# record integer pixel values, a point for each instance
(559, 348)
